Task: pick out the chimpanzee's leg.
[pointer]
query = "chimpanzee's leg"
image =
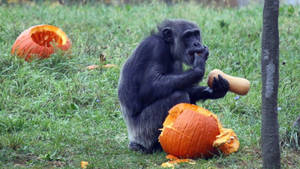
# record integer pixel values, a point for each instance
(143, 130)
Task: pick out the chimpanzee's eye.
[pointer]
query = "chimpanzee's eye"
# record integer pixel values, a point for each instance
(187, 35)
(197, 34)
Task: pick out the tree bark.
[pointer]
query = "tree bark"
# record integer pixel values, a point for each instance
(270, 78)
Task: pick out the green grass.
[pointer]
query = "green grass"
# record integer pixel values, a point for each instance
(56, 113)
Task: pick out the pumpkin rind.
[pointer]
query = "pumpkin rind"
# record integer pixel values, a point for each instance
(190, 131)
(186, 136)
(37, 41)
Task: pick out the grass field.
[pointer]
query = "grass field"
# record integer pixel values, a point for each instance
(56, 113)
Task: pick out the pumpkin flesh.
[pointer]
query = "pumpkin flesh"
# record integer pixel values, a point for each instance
(43, 35)
(40, 41)
(227, 141)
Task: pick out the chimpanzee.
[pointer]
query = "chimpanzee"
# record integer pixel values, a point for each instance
(153, 80)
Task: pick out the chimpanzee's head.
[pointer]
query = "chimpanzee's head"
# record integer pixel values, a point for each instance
(184, 38)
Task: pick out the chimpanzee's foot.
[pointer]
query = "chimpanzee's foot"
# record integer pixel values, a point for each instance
(137, 147)
(156, 147)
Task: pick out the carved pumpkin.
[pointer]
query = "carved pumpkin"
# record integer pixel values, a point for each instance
(40, 41)
(190, 131)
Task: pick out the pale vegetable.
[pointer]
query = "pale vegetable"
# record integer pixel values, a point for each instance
(237, 85)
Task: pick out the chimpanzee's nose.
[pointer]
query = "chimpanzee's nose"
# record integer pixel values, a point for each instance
(197, 44)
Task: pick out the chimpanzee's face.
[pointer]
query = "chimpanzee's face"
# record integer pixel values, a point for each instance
(185, 42)
(192, 45)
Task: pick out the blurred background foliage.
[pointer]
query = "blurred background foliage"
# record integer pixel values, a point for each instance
(222, 3)
(231, 3)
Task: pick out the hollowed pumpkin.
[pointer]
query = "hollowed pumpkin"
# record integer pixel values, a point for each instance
(190, 131)
(40, 41)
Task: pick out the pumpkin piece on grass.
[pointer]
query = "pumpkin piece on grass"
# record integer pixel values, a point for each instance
(175, 160)
(40, 41)
(227, 141)
(110, 66)
(91, 67)
(190, 131)
(84, 164)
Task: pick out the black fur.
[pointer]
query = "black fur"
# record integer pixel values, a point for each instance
(152, 80)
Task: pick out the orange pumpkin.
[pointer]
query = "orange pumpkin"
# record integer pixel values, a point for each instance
(190, 131)
(40, 41)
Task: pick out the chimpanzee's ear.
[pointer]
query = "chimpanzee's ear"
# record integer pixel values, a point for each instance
(167, 34)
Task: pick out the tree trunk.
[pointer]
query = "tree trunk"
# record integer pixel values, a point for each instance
(270, 78)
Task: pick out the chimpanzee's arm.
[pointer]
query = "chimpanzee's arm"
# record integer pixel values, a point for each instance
(177, 81)
(160, 85)
(159, 81)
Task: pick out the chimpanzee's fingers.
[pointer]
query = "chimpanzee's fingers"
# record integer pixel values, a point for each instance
(199, 63)
(215, 84)
(223, 82)
(205, 53)
(196, 60)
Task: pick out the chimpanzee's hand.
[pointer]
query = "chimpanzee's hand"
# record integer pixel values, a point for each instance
(199, 66)
(200, 58)
(204, 52)
(220, 87)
